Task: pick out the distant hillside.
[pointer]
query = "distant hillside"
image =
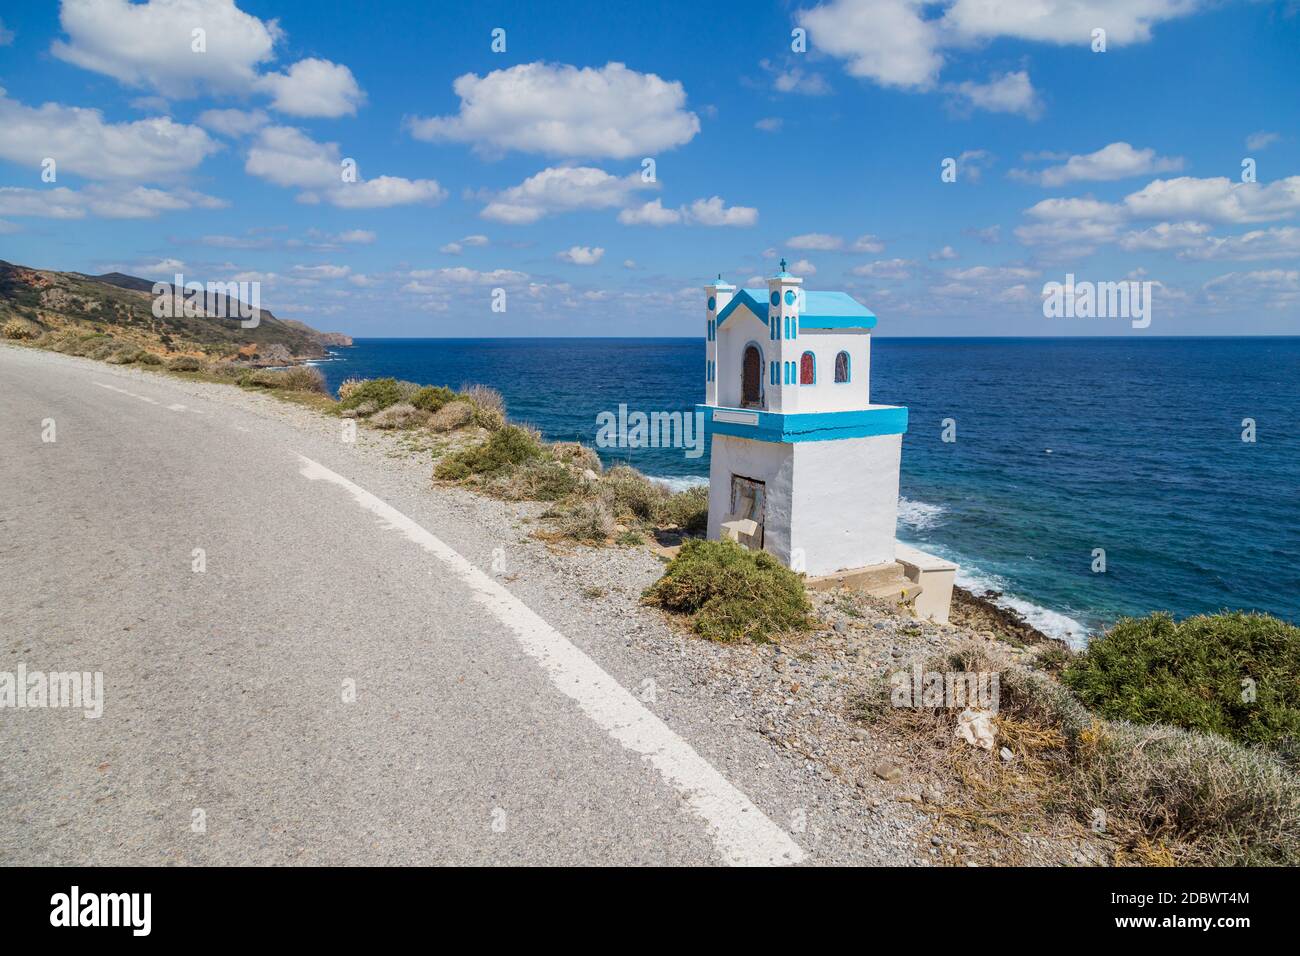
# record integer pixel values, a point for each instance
(123, 304)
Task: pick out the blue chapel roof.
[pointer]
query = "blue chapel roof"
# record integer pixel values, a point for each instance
(821, 310)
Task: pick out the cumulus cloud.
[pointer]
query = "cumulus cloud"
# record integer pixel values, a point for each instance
(1009, 93)
(886, 269)
(581, 255)
(289, 157)
(947, 252)
(561, 110)
(109, 202)
(815, 240)
(715, 212)
(233, 123)
(900, 43)
(868, 243)
(1278, 242)
(314, 87)
(1261, 140)
(154, 45)
(1116, 161)
(562, 189)
(652, 213)
(1180, 206)
(82, 142)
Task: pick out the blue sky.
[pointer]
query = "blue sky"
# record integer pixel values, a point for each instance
(522, 170)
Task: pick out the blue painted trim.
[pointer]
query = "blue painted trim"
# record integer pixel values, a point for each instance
(759, 309)
(810, 426)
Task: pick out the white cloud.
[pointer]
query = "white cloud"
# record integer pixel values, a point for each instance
(714, 212)
(560, 110)
(868, 243)
(562, 189)
(581, 255)
(109, 202)
(1166, 235)
(886, 269)
(233, 123)
(1064, 22)
(1273, 243)
(887, 41)
(770, 124)
(355, 236)
(326, 271)
(1009, 93)
(153, 45)
(652, 213)
(385, 191)
(461, 275)
(1261, 140)
(947, 252)
(819, 241)
(795, 80)
(1115, 161)
(1216, 200)
(901, 43)
(629, 263)
(6, 36)
(314, 87)
(803, 267)
(81, 142)
(149, 44)
(288, 157)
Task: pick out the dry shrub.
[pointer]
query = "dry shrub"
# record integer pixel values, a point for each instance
(588, 521)
(576, 454)
(185, 363)
(630, 494)
(299, 378)
(452, 416)
(20, 330)
(484, 397)
(401, 415)
(349, 386)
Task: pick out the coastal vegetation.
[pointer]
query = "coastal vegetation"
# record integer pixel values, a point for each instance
(730, 593)
(1158, 787)
(1236, 675)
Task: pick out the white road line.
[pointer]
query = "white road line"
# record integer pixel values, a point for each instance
(743, 833)
(176, 407)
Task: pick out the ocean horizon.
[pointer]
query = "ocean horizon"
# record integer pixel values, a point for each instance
(1061, 447)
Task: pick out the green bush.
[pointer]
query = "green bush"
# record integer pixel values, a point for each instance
(1233, 674)
(148, 358)
(688, 510)
(431, 398)
(503, 452)
(732, 594)
(379, 392)
(184, 363)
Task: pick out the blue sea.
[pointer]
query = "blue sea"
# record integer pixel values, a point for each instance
(1063, 446)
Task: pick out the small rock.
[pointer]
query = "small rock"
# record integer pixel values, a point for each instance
(888, 771)
(1006, 754)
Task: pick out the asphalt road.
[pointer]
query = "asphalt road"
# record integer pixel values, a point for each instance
(479, 733)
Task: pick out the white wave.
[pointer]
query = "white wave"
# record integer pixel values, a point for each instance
(681, 482)
(1052, 623)
(920, 515)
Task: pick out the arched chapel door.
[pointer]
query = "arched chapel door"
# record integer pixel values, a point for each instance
(751, 387)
